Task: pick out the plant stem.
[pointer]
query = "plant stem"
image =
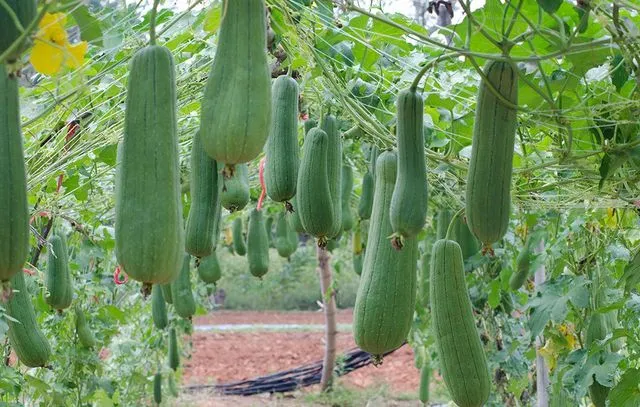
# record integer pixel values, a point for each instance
(429, 65)
(451, 223)
(152, 22)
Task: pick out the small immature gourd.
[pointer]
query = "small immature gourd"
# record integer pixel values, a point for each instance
(85, 336)
(58, 278)
(209, 269)
(235, 190)
(236, 107)
(174, 354)
(183, 301)
(238, 237)
(366, 196)
(158, 308)
(347, 186)
(257, 245)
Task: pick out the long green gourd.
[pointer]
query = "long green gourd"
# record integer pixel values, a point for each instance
(236, 107)
(235, 191)
(238, 237)
(14, 212)
(385, 302)
(442, 223)
(85, 336)
(309, 124)
(158, 308)
(282, 151)
(488, 195)
(347, 186)
(425, 380)
(174, 353)
(26, 339)
(183, 301)
(462, 359)
(25, 11)
(296, 223)
(149, 227)
(206, 190)
(209, 269)
(58, 278)
(285, 243)
(257, 245)
(366, 196)
(157, 388)
(409, 202)
(314, 204)
(334, 170)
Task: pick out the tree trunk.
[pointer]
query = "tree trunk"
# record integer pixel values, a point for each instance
(329, 308)
(542, 373)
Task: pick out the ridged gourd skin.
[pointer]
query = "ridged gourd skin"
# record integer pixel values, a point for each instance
(157, 388)
(235, 190)
(296, 223)
(174, 353)
(166, 293)
(286, 237)
(383, 312)
(25, 337)
(238, 237)
(209, 269)
(523, 265)
(158, 308)
(149, 228)
(25, 11)
(85, 336)
(463, 362)
(310, 124)
(334, 170)
(257, 245)
(282, 150)
(236, 107)
(366, 196)
(409, 202)
(488, 191)
(14, 211)
(374, 152)
(467, 241)
(425, 278)
(183, 301)
(314, 204)
(347, 186)
(442, 223)
(425, 380)
(206, 191)
(58, 278)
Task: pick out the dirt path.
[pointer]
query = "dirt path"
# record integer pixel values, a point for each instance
(220, 357)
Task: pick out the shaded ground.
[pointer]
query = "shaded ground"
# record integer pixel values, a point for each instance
(220, 357)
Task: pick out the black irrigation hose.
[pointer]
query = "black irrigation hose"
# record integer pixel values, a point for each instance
(289, 380)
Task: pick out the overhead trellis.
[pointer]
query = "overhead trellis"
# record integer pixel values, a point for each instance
(577, 141)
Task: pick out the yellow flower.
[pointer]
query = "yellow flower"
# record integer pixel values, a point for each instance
(52, 48)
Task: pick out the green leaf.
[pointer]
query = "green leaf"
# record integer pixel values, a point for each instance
(609, 164)
(550, 6)
(494, 293)
(619, 74)
(212, 19)
(584, 60)
(108, 155)
(627, 392)
(90, 29)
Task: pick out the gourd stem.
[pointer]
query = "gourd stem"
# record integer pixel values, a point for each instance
(429, 65)
(152, 22)
(453, 218)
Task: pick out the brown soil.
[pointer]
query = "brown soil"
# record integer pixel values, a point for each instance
(220, 357)
(271, 317)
